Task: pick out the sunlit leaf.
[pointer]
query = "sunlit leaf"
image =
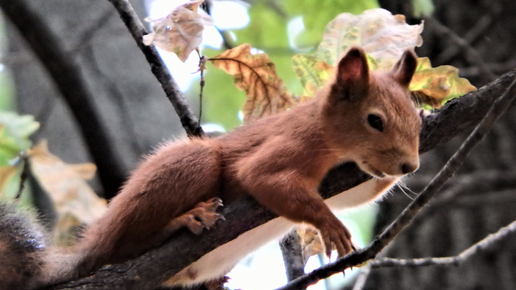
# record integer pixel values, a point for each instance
(434, 86)
(76, 203)
(14, 135)
(256, 75)
(17, 129)
(179, 32)
(382, 35)
(312, 72)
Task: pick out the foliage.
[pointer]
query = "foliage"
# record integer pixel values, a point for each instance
(75, 202)
(256, 75)
(434, 86)
(269, 31)
(382, 35)
(14, 135)
(179, 32)
(65, 184)
(14, 139)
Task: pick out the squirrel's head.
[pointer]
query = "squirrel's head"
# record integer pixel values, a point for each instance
(371, 115)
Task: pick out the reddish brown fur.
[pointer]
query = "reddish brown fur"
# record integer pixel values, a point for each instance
(280, 160)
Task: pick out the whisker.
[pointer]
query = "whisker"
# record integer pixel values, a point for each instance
(400, 186)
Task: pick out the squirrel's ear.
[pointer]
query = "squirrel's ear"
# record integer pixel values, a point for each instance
(404, 69)
(353, 70)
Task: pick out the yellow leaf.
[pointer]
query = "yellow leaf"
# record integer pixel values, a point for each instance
(434, 86)
(179, 32)
(76, 203)
(256, 75)
(310, 241)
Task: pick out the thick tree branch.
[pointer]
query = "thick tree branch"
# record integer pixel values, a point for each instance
(158, 68)
(69, 80)
(146, 272)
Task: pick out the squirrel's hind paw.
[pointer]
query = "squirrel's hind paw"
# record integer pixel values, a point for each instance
(203, 216)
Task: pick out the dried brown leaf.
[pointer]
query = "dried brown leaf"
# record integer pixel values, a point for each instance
(179, 32)
(76, 203)
(256, 75)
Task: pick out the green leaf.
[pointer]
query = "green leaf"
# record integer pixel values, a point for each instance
(18, 128)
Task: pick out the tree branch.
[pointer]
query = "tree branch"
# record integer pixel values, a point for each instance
(487, 243)
(469, 52)
(158, 68)
(69, 80)
(147, 271)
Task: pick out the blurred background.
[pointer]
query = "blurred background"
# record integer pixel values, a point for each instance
(130, 110)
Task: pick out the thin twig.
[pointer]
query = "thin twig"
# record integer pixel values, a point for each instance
(24, 173)
(362, 277)
(355, 258)
(470, 53)
(488, 242)
(202, 67)
(477, 30)
(158, 68)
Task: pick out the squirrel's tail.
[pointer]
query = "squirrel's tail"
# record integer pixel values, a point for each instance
(26, 259)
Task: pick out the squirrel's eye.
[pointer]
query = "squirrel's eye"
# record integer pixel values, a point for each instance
(375, 121)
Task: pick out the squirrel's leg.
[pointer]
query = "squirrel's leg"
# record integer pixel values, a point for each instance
(297, 201)
(203, 216)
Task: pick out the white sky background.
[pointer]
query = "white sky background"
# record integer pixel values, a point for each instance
(264, 269)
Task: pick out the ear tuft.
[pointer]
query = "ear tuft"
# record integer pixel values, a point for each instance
(404, 69)
(353, 69)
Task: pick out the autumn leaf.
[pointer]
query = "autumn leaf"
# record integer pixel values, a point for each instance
(434, 86)
(310, 240)
(382, 35)
(76, 203)
(256, 75)
(179, 32)
(312, 72)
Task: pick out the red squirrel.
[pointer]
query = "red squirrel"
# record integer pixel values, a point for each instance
(359, 116)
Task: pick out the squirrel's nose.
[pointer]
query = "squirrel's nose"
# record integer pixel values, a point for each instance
(409, 167)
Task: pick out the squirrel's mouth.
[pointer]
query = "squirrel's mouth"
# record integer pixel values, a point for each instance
(377, 173)
(372, 171)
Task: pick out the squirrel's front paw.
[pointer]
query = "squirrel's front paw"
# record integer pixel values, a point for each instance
(335, 233)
